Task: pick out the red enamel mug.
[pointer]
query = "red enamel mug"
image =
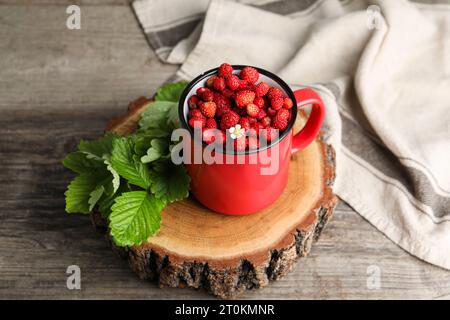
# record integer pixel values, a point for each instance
(240, 188)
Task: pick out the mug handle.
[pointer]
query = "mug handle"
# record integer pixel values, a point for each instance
(310, 131)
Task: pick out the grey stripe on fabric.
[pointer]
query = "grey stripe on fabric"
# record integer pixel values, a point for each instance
(170, 37)
(176, 32)
(287, 6)
(382, 159)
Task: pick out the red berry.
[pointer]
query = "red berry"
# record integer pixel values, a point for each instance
(252, 120)
(261, 114)
(208, 109)
(245, 123)
(275, 92)
(225, 70)
(199, 122)
(257, 127)
(249, 74)
(213, 135)
(268, 134)
(242, 85)
(222, 104)
(261, 89)
(229, 119)
(253, 142)
(271, 112)
(227, 93)
(252, 110)
(195, 113)
(210, 82)
(259, 102)
(240, 144)
(219, 83)
(192, 102)
(244, 97)
(279, 122)
(205, 94)
(233, 82)
(208, 135)
(211, 123)
(287, 103)
(265, 122)
(276, 103)
(283, 114)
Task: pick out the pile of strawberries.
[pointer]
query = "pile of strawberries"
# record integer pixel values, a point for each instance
(237, 100)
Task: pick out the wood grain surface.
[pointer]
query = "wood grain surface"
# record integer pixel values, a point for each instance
(57, 86)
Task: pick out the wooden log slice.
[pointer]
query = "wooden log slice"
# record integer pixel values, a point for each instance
(226, 255)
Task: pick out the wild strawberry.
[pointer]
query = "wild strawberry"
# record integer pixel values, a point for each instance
(198, 122)
(227, 93)
(265, 122)
(221, 111)
(205, 94)
(192, 102)
(208, 135)
(252, 120)
(257, 127)
(220, 137)
(210, 82)
(213, 135)
(243, 85)
(253, 142)
(211, 123)
(222, 104)
(275, 92)
(229, 119)
(283, 114)
(252, 110)
(261, 114)
(271, 112)
(261, 89)
(219, 83)
(287, 103)
(245, 123)
(201, 90)
(276, 103)
(244, 97)
(233, 82)
(269, 134)
(240, 144)
(221, 100)
(195, 113)
(259, 102)
(279, 122)
(225, 70)
(208, 109)
(249, 74)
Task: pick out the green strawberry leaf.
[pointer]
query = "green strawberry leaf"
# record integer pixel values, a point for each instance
(79, 192)
(106, 201)
(156, 116)
(79, 163)
(95, 149)
(159, 148)
(170, 181)
(135, 216)
(95, 196)
(127, 164)
(170, 92)
(115, 175)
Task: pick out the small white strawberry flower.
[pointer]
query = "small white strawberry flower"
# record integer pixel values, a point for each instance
(236, 132)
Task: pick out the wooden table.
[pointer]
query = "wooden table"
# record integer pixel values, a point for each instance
(59, 85)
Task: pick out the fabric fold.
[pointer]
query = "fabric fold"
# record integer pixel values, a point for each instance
(383, 70)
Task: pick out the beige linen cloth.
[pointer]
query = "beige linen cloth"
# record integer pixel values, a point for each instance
(383, 70)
